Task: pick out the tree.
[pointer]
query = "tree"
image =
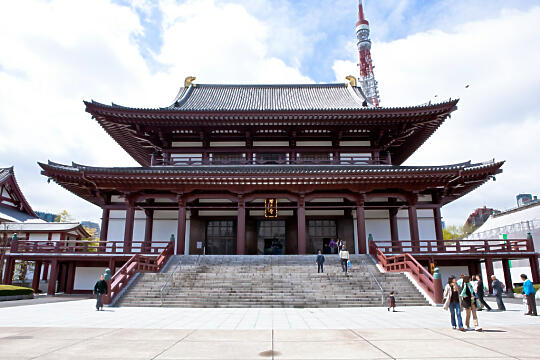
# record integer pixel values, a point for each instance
(64, 216)
(454, 232)
(93, 240)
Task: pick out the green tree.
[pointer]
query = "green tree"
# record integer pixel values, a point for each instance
(64, 216)
(454, 232)
(93, 240)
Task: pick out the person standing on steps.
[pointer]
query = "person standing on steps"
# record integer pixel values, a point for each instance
(498, 291)
(452, 302)
(320, 262)
(480, 292)
(529, 292)
(468, 302)
(339, 245)
(100, 289)
(344, 257)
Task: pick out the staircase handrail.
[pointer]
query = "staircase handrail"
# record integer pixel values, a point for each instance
(134, 265)
(167, 281)
(376, 281)
(405, 262)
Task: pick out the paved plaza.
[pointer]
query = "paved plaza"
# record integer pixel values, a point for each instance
(73, 329)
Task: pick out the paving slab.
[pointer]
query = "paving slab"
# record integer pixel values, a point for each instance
(327, 350)
(217, 350)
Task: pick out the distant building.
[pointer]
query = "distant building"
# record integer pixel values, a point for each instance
(526, 199)
(479, 216)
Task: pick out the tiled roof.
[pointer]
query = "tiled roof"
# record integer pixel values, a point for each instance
(269, 98)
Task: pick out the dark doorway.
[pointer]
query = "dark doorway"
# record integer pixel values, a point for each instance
(271, 236)
(322, 235)
(220, 237)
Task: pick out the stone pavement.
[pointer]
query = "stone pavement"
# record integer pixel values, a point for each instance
(75, 330)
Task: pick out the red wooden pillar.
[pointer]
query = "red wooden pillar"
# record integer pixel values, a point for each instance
(53, 278)
(104, 232)
(507, 275)
(62, 277)
(241, 228)
(438, 229)
(361, 226)
(9, 271)
(112, 266)
(394, 234)
(148, 225)
(413, 226)
(181, 231)
(45, 271)
(70, 282)
(301, 217)
(128, 231)
(35, 279)
(533, 262)
(489, 272)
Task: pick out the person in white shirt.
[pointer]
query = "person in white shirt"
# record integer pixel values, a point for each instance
(344, 256)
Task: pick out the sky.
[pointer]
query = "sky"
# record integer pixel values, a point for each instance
(57, 53)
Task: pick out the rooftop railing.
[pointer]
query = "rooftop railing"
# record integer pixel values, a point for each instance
(343, 160)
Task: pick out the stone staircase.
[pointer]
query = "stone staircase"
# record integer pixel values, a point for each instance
(268, 281)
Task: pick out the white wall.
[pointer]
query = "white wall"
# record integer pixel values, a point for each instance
(446, 271)
(86, 277)
(37, 236)
(378, 225)
(117, 223)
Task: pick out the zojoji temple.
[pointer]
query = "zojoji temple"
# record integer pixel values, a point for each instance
(275, 170)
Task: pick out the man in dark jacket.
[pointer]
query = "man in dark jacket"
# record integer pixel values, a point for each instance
(480, 293)
(100, 289)
(320, 262)
(498, 291)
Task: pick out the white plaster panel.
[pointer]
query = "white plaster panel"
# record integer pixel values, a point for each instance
(280, 213)
(227, 143)
(139, 214)
(138, 230)
(426, 229)
(327, 200)
(55, 236)
(117, 198)
(203, 201)
(403, 229)
(324, 212)
(379, 229)
(162, 229)
(86, 277)
(270, 143)
(117, 214)
(376, 214)
(355, 143)
(187, 144)
(116, 229)
(38, 236)
(218, 213)
(313, 143)
(426, 197)
(424, 213)
(166, 215)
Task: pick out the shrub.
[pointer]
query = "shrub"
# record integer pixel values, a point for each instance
(519, 289)
(10, 290)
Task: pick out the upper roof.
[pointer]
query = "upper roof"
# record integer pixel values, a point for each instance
(312, 97)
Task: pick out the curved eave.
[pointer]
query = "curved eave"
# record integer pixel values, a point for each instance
(9, 178)
(453, 180)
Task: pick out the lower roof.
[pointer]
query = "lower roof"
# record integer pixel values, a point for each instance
(449, 182)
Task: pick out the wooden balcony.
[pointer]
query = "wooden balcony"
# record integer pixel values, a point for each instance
(343, 160)
(516, 248)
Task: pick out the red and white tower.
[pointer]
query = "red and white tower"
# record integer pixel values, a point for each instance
(367, 78)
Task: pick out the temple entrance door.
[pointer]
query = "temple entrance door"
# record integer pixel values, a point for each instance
(271, 237)
(220, 237)
(321, 233)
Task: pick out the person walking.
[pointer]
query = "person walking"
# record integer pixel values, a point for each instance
(344, 256)
(529, 292)
(480, 292)
(320, 262)
(339, 245)
(468, 302)
(392, 302)
(498, 291)
(452, 302)
(100, 289)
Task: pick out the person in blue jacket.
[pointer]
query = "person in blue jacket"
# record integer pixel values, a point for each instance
(529, 292)
(320, 262)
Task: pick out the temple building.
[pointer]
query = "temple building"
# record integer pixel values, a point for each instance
(270, 169)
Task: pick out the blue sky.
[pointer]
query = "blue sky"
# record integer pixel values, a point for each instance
(57, 53)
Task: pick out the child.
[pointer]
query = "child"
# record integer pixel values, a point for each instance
(392, 302)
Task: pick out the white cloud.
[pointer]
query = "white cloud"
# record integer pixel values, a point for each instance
(59, 53)
(497, 116)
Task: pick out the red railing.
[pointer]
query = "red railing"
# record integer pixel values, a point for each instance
(137, 263)
(514, 246)
(86, 247)
(405, 262)
(343, 160)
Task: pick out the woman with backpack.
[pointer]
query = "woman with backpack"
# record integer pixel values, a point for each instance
(469, 303)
